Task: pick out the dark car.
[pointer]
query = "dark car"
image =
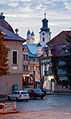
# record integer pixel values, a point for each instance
(36, 93)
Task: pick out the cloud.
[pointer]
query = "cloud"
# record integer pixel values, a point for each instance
(13, 4)
(68, 5)
(3, 2)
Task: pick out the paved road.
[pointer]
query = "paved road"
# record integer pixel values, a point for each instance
(51, 107)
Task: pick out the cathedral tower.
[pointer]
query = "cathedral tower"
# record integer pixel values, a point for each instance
(30, 37)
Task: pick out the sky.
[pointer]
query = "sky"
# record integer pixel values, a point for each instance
(28, 14)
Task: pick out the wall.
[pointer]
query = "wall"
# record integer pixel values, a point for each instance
(15, 75)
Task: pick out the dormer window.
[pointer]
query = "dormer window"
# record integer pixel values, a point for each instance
(66, 50)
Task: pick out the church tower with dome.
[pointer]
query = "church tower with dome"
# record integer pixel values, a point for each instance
(30, 37)
(45, 33)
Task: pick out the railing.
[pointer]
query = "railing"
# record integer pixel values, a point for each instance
(7, 107)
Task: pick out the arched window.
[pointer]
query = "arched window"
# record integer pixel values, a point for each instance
(43, 39)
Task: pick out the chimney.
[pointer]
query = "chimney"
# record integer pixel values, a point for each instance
(16, 30)
(1, 16)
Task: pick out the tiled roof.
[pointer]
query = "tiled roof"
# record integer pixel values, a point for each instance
(32, 48)
(5, 25)
(59, 39)
(8, 30)
(60, 50)
(11, 35)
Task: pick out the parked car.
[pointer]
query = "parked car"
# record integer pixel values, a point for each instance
(36, 93)
(19, 95)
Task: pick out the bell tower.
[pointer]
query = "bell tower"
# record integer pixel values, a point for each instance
(45, 34)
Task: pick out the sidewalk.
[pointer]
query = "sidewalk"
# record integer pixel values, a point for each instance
(59, 92)
(3, 99)
(63, 91)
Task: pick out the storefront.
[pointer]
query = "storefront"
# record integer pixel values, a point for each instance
(27, 80)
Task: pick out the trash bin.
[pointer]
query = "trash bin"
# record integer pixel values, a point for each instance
(15, 88)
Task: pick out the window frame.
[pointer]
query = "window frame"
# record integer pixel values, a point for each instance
(12, 56)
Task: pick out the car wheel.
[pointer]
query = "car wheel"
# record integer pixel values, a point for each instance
(9, 98)
(34, 97)
(16, 99)
(41, 97)
(26, 99)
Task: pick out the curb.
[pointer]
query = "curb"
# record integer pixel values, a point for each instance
(58, 93)
(11, 112)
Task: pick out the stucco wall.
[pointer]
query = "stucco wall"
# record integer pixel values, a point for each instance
(16, 71)
(7, 82)
(16, 45)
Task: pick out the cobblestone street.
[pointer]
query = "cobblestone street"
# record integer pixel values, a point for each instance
(51, 107)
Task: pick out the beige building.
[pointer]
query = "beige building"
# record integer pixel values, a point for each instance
(15, 56)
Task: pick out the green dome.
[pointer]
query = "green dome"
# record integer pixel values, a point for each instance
(28, 32)
(32, 34)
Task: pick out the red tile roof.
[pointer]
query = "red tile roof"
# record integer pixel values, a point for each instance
(59, 39)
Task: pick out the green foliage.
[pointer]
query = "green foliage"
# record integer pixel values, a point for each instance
(3, 56)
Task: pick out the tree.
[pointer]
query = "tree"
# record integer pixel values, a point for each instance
(3, 56)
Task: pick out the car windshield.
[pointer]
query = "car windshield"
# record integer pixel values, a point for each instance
(24, 93)
(37, 91)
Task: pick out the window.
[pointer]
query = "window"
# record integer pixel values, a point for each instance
(23, 57)
(61, 71)
(50, 69)
(62, 62)
(25, 67)
(31, 68)
(26, 57)
(37, 68)
(63, 78)
(14, 57)
(43, 39)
